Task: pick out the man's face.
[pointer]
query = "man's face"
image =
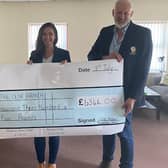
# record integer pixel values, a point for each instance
(122, 14)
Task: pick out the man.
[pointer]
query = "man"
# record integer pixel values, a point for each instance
(132, 44)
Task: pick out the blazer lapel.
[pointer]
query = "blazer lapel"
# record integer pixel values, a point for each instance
(109, 37)
(56, 55)
(127, 38)
(40, 57)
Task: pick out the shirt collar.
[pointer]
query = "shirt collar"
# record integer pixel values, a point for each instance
(124, 29)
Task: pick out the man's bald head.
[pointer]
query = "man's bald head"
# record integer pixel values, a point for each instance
(123, 3)
(122, 12)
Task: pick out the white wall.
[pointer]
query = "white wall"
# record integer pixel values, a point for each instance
(84, 17)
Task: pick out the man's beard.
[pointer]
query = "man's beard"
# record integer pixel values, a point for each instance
(120, 26)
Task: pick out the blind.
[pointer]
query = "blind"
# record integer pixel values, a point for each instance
(159, 31)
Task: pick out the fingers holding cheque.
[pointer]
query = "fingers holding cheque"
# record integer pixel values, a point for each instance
(114, 55)
(29, 62)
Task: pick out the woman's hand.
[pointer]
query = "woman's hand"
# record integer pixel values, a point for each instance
(63, 62)
(29, 62)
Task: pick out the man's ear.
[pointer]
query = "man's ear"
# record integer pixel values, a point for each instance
(112, 12)
(132, 12)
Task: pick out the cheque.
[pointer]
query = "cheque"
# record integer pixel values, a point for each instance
(54, 99)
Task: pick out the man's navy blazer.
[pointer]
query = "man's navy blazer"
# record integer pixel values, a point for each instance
(59, 55)
(136, 50)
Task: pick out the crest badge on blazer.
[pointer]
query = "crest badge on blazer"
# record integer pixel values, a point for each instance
(133, 50)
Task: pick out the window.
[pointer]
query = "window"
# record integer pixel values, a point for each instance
(33, 29)
(159, 31)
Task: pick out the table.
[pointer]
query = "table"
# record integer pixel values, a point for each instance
(152, 101)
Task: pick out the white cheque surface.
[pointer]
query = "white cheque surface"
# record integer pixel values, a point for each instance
(54, 99)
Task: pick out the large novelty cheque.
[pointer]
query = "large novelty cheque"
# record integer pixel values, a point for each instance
(55, 99)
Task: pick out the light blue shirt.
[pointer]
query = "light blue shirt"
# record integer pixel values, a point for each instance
(115, 44)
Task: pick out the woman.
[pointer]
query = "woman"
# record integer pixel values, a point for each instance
(46, 52)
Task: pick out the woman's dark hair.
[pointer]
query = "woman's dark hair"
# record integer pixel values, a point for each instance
(39, 43)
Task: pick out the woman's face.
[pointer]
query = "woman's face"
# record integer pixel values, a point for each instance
(48, 37)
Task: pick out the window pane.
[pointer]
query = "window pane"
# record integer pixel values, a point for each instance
(159, 31)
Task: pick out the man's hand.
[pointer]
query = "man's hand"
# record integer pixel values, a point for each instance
(114, 55)
(128, 105)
